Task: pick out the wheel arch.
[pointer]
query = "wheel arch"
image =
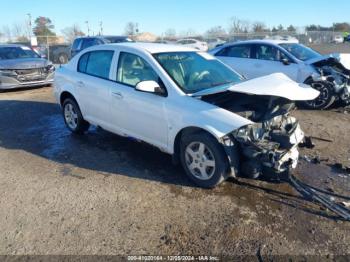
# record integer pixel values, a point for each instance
(186, 131)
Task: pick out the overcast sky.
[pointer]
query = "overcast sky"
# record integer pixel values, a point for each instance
(157, 16)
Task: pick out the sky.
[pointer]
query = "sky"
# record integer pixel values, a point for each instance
(181, 15)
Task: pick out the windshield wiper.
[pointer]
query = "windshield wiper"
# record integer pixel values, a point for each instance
(221, 83)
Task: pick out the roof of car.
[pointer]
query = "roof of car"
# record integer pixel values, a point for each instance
(262, 41)
(155, 47)
(11, 45)
(103, 36)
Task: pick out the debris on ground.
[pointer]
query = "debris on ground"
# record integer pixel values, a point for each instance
(321, 139)
(346, 204)
(307, 143)
(314, 159)
(315, 194)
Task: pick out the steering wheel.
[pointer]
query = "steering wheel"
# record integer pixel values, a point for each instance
(197, 77)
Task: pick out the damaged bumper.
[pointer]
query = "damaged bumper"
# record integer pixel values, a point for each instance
(271, 145)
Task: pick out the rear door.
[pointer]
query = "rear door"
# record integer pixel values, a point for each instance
(93, 85)
(238, 57)
(268, 60)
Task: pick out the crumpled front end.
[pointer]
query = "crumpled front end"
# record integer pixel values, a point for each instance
(270, 146)
(332, 71)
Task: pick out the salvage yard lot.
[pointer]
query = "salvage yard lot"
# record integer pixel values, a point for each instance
(103, 194)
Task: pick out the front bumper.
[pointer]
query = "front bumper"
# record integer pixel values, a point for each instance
(272, 146)
(8, 82)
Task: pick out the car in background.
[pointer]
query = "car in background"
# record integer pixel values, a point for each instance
(56, 53)
(338, 39)
(193, 43)
(20, 66)
(82, 43)
(347, 38)
(215, 42)
(186, 103)
(256, 58)
(285, 38)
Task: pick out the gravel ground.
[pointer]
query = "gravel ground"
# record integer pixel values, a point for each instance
(103, 194)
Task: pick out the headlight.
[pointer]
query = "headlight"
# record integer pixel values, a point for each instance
(50, 68)
(7, 72)
(252, 133)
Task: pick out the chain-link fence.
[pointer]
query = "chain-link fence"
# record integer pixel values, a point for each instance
(57, 49)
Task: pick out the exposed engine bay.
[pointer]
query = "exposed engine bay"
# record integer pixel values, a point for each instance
(269, 145)
(336, 74)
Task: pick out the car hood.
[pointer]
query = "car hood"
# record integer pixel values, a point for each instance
(24, 63)
(278, 85)
(344, 59)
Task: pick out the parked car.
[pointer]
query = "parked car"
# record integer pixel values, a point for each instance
(215, 42)
(193, 43)
(57, 53)
(82, 43)
(20, 66)
(256, 58)
(186, 103)
(338, 39)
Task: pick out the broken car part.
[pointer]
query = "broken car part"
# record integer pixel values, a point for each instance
(327, 202)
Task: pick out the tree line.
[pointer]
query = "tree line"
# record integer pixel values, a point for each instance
(44, 29)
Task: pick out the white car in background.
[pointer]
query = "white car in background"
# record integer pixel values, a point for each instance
(193, 43)
(256, 58)
(186, 103)
(338, 39)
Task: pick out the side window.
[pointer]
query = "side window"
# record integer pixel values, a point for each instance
(96, 63)
(89, 42)
(266, 52)
(133, 69)
(76, 44)
(83, 63)
(239, 51)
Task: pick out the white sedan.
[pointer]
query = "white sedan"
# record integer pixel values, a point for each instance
(256, 58)
(186, 103)
(193, 43)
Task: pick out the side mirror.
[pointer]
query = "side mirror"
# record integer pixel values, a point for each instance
(285, 61)
(149, 87)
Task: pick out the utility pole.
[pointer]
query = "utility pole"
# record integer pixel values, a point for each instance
(29, 25)
(88, 28)
(101, 28)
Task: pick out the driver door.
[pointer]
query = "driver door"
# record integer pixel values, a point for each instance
(268, 60)
(141, 115)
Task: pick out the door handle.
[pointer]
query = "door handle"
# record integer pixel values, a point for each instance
(117, 95)
(80, 83)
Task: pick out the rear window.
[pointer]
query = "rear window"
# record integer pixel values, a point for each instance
(17, 53)
(76, 44)
(96, 63)
(240, 51)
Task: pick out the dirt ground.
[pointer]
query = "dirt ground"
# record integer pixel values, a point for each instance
(103, 194)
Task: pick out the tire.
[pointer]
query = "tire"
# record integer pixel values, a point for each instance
(73, 118)
(62, 58)
(209, 168)
(324, 100)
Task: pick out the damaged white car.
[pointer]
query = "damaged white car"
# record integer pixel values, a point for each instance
(329, 74)
(186, 103)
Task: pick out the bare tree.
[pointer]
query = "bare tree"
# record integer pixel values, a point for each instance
(189, 33)
(131, 29)
(71, 32)
(170, 33)
(238, 26)
(19, 32)
(259, 27)
(7, 33)
(215, 32)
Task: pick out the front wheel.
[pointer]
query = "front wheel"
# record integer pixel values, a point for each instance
(73, 117)
(324, 100)
(204, 159)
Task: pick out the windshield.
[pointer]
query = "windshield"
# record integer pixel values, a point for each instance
(118, 39)
(17, 52)
(196, 71)
(301, 52)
